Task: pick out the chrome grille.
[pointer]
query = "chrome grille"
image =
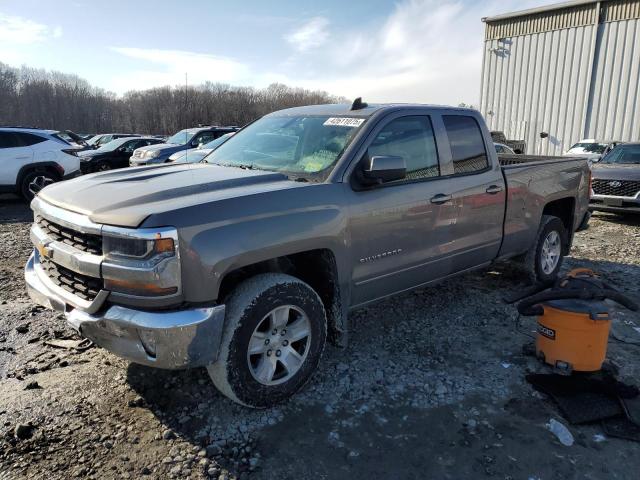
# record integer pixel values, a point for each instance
(82, 241)
(618, 188)
(82, 286)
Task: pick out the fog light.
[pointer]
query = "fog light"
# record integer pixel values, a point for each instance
(148, 340)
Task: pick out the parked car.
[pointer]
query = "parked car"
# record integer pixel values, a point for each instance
(31, 158)
(591, 149)
(102, 139)
(183, 140)
(196, 155)
(502, 148)
(115, 154)
(246, 263)
(616, 180)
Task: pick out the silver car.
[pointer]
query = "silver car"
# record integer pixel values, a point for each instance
(197, 154)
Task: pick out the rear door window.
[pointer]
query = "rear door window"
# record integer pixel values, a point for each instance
(467, 146)
(8, 140)
(28, 139)
(412, 139)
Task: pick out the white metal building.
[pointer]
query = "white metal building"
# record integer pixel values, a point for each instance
(571, 70)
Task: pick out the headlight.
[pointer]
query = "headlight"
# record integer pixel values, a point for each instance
(152, 154)
(142, 262)
(137, 248)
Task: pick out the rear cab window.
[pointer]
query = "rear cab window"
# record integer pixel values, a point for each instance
(468, 151)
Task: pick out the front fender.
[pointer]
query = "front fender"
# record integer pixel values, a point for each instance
(215, 252)
(221, 236)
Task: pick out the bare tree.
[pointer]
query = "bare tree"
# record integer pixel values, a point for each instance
(60, 101)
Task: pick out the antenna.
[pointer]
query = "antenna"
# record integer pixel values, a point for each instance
(358, 104)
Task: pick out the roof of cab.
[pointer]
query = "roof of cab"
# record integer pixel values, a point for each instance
(344, 109)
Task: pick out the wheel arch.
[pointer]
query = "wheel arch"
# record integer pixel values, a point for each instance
(318, 268)
(52, 167)
(564, 209)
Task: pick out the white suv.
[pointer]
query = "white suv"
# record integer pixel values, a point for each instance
(31, 158)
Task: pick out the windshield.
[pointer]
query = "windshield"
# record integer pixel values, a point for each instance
(182, 137)
(623, 154)
(304, 145)
(588, 148)
(113, 144)
(94, 140)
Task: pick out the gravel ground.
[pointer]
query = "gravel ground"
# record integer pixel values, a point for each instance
(430, 386)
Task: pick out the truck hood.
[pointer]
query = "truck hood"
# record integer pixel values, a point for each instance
(620, 171)
(126, 197)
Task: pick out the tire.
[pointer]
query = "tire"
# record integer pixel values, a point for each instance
(102, 167)
(536, 261)
(254, 312)
(35, 181)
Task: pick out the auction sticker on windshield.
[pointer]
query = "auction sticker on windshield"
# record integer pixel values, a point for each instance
(344, 122)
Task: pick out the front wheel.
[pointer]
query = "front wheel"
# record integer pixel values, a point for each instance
(103, 167)
(275, 332)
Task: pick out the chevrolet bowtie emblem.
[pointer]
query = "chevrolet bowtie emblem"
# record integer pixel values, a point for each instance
(44, 251)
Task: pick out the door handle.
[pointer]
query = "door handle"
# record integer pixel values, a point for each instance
(440, 199)
(22, 158)
(493, 189)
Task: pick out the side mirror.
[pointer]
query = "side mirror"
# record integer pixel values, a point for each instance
(384, 168)
(195, 143)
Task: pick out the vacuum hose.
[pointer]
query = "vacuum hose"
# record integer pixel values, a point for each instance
(531, 307)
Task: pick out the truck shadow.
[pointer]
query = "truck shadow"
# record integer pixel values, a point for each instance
(446, 325)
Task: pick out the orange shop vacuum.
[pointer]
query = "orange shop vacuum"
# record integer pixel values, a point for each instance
(574, 320)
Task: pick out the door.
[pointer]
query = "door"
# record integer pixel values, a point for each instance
(122, 155)
(13, 156)
(478, 194)
(399, 231)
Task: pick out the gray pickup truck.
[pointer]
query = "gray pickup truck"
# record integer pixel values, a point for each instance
(247, 263)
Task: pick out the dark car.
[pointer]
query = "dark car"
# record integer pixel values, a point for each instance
(102, 139)
(114, 154)
(183, 140)
(616, 180)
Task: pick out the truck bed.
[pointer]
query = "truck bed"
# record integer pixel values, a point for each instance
(534, 181)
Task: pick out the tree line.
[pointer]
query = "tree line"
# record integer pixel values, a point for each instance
(60, 101)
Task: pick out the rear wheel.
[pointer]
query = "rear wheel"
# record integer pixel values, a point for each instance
(275, 332)
(543, 262)
(33, 182)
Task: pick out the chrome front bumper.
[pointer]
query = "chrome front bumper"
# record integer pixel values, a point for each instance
(171, 339)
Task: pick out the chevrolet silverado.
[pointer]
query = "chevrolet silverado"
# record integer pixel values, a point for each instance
(246, 264)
